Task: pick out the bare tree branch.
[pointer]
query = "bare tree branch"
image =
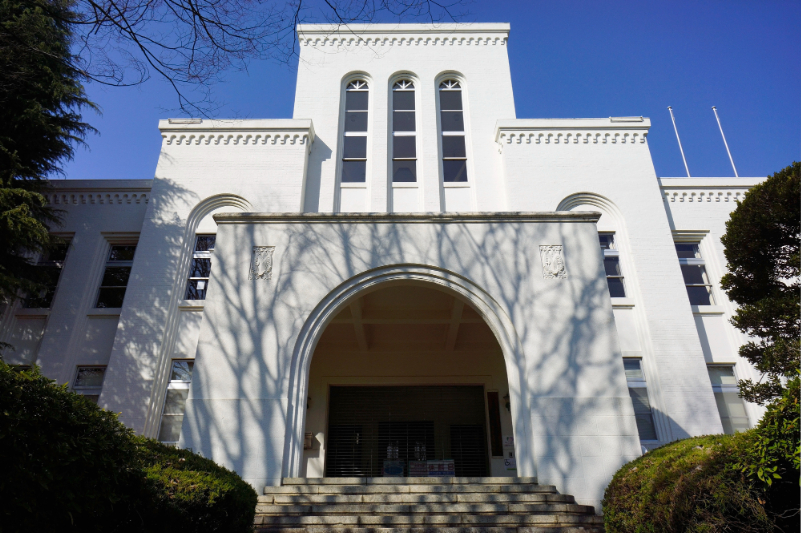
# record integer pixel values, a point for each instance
(192, 43)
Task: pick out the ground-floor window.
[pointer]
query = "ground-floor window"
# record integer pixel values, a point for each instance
(727, 395)
(175, 402)
(89, 381)
(638, 391)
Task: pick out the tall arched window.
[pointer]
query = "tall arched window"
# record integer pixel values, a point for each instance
(404, 141)
(454, 152)
(354, 151)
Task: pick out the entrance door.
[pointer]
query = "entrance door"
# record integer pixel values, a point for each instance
(370, 428)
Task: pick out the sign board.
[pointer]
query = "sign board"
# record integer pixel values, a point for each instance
(508, 442)
(393, 468)
(510, 464)
(418, 468)
(441, 468)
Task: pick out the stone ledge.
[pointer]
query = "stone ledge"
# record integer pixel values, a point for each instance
(408, 218)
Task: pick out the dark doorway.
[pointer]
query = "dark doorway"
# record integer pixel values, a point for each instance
(372, 427)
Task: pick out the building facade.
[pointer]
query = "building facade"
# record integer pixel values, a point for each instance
(403, 279)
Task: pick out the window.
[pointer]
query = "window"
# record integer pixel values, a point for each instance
(115, 277)
(614, 276)
(730, 405)
(404, 141)
(177, 391)
(695, 277)
(201, 268)
(639, 398)
(89, 381)
(51, 264)
(454, 151)
(354, 150)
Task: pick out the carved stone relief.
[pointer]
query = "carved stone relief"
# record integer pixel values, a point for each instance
(261, 264)
(553, 265)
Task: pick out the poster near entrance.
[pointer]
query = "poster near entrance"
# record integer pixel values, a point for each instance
(410, 431)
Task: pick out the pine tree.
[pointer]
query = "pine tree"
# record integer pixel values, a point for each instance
(41, 96)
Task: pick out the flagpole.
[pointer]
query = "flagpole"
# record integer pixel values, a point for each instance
(679, 139)
(724, 141)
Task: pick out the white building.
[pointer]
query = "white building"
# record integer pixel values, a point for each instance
(404, 271)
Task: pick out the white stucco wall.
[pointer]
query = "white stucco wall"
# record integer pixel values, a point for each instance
(381, 53)
(697, 211)
(574, 424)
(562, 340)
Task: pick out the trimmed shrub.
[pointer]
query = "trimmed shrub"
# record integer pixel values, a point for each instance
(193, 493)
(745, 482)
(65, 462)
(687, 486)
(70, 466)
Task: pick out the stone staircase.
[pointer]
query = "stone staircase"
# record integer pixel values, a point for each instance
(390, 505)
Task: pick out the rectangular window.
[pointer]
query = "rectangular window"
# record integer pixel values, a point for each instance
(354, 142)
(404, 140)
(727, 395)
(175, 402)
(614, 276)
(639, 398)
(200, 269)
(89, 381)
(115, 276)
(451, 115)
(693, 268)
(51, 265)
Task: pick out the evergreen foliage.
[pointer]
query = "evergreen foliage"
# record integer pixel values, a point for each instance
(762, 251)
(687, 486)
(40, 99)
(744, 482)
(70, 466)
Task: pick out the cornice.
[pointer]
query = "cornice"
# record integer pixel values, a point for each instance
(99, 197)
(701, 195)
(406, 218)
(238, 132)
(325, 35)
(706, 190)
(612, 130)
(101, 192)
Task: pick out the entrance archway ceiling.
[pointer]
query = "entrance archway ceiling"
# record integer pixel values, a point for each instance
(405, 317)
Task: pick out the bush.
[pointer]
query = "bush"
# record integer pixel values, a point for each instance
(69, 465)
(685, 486)
(745, 482)
(193, 493)
(65, 462)
(771, 459)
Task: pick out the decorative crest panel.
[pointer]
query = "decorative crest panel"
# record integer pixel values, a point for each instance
(553, 265)
(261, 263)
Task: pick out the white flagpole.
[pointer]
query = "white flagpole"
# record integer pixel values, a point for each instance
(724, 141)
(679, 139)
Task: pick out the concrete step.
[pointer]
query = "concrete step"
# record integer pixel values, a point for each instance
(408, 480)
(449, 520)
(348, 529)
(434, 508)
(299, 499)
(409, 488)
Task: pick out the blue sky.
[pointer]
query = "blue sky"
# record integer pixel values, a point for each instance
(569, 59)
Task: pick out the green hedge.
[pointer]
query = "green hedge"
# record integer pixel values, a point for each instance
(194, 493)
(68, 465)
(746, 482)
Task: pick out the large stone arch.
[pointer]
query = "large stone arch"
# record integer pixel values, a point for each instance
(491, 311)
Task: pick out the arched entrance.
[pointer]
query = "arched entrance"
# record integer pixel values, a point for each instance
(407, 372)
